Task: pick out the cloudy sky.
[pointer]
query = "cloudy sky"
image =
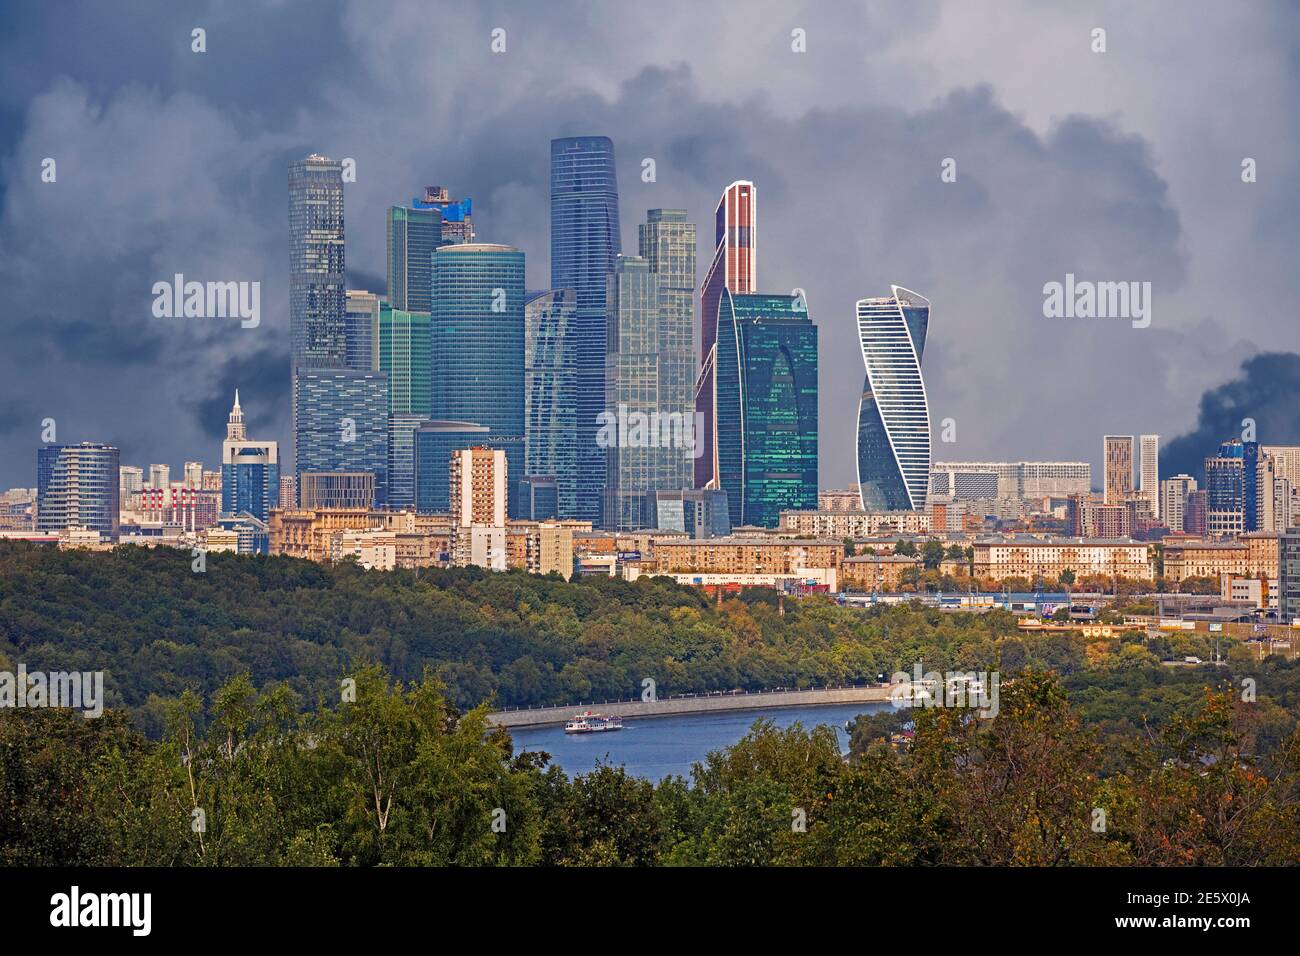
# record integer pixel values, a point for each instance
(1115, 166)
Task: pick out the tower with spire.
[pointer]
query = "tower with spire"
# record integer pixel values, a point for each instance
(235, 423)
(250, 470)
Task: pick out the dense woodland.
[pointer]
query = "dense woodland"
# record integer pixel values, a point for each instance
(228, 742)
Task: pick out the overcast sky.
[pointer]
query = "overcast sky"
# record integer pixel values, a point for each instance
(1116, 166)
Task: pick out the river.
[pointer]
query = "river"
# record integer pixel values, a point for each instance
(656, 747)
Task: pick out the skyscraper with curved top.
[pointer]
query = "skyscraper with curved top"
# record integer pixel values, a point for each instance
(894, 415)
(766, 408)
(584, 246)
(735, 268)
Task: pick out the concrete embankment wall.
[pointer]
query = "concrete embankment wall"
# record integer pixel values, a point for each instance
(540, 716)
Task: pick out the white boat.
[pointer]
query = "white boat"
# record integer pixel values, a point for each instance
(589, 723)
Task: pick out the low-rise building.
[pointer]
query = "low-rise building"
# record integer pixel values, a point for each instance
(854, 523)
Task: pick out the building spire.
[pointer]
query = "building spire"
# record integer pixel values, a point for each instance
(235, 423)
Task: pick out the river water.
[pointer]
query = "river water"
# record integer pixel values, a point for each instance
(656, 747)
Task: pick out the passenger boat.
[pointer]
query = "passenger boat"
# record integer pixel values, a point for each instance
(589, 723)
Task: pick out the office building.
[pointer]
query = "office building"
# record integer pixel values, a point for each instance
(77, 487)
(250, 470)
(362, 331)
(648, 423)
(435, 441)
(585, 243)
(406, 357)
(478, 342)
(401, 459)
(550, 393)
(734, 268)
(1289, 576)
(1231, 488)
(337, 490)
(538, 498)
(766, 406)
(342, 424)
(698, 512)
(1021, 479)
(894, 413)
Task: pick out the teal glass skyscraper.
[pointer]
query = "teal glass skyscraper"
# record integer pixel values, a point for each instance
(766, 390)
(894, 414)
(413, 234)
(584, 245)
(405, 356)
(550, 385)
(478, 342)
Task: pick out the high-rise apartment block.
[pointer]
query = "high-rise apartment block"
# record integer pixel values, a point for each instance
(1118, 464)
(77, 487)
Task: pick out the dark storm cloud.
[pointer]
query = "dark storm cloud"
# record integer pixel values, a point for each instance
(171, 162)
(263, 384)
(1267, 391)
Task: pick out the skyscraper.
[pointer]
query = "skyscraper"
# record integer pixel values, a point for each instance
(1118, 453)
(584, 246)
(550, 393)
(250, 470)
(667, 243)
(362, 330)
(478, 341)
(1231, 488)
(77, 487)
(405, 356)
(734, 267)
(413, 234)
(316, 263)
(766, 406)
(1149, 470)
(317, 297)
(401, 459)
(894, 412)
(342, 424)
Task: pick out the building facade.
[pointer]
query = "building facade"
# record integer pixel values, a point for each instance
(478, 342)
(734, 268)
(585, 243)
(77, 487)
(250, 470)
(894, 413)
(550, 393)
(766, 409)
(1117, 453)
(342, 424)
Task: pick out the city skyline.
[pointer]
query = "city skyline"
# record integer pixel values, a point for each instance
(865, 184)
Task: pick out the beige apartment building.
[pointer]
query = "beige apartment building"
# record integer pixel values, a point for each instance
(1048, 557)
(854, 524)
(746, 555)
(1248, 556)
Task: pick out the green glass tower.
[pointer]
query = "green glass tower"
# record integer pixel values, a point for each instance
(766, 406)
(405, 354)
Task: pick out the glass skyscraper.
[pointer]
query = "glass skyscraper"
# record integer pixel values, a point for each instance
(413, 234)
(405, 356)
(77, 487)
(401, 459)
(894, 414)
(734, 267)
(478, 341)
(584, 245)
(342, 423)
(649, 425)
(362, 330)
(316, 264)
(550, 385)
(766, 406)
(317, 297)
